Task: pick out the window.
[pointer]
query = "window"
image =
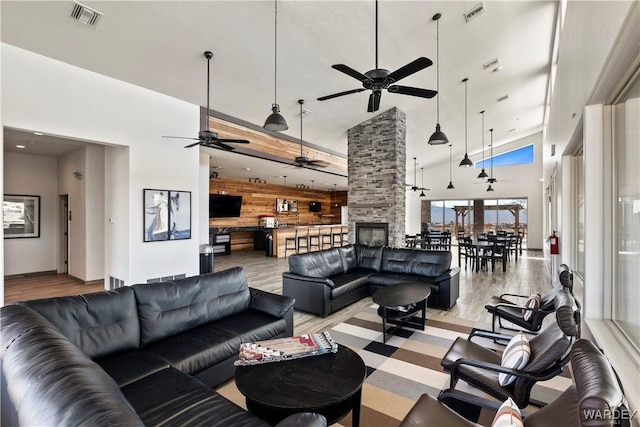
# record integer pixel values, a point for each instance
(519, 156)
(579, 224)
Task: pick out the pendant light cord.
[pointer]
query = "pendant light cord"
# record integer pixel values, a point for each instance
(275, 56)
(438, 69)
(482, 112)
(376, 34)
(491, 130)
(450, 163)
(300, 102)
(466, 151)
(208, 79)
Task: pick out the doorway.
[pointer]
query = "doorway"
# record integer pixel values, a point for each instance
(63, 234)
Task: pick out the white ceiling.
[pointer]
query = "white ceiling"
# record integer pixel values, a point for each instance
(159, 45)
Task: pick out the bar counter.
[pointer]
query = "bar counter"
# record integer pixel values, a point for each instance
(284, 231)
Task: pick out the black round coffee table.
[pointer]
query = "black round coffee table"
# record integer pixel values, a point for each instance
(399, 304)
(330, 384)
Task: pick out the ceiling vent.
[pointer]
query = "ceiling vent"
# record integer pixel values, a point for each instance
(491, 64)
(85, 14)
(477, 10)
(503, 98)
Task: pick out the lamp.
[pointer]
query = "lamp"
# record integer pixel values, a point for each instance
(275, 121)
(483, 173)
(466, 162)
(438, 137)
(450, 186)
(422, 182)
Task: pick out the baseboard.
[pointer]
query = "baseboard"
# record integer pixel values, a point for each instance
(32, 274)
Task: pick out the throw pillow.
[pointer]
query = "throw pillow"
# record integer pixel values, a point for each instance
(515, 356)
(532, 302)
(508, 415)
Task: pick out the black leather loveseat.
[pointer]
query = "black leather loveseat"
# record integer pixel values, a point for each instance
(324, 281)
(140, 355)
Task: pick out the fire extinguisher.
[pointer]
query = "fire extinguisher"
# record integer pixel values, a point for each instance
(554, 244)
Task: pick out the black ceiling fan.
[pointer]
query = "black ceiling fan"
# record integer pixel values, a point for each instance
(415, 187)
(491, 179)
(206, 137)
(378, 79)
(301, 160)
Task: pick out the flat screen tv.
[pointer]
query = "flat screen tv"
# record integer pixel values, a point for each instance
(315, 207)
(224, 206)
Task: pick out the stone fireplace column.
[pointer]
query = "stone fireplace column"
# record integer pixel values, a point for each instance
(377, 174)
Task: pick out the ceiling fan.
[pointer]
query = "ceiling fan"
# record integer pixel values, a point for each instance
(415, 187)
(491, 179)
(378, 79)
(301, 160)
(206, 137)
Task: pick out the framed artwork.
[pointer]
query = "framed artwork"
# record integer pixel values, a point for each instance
(167, 215)
(21, 216)
(179, 215)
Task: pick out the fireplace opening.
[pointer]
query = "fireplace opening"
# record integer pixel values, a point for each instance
(372, 233)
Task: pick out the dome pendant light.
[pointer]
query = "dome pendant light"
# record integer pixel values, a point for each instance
(422, 182)
(483, 173)
(275, 121)
(438, 137)
(466, 162)
(450, 186)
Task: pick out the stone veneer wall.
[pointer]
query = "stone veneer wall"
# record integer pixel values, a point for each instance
(478, 216)
(377, 173)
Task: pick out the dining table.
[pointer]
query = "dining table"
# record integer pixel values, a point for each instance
(483, 245)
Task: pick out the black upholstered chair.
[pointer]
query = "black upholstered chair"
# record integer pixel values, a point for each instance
(595, 390)
(510, 307)
(480, 366)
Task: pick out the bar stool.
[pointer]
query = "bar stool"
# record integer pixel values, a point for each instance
(345, 234)
(314, 238)
(325, 238)
(336, 237)
(302, 238)
(287, 244)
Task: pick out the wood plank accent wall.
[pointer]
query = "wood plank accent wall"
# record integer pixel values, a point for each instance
(269, 144)
(260, 199)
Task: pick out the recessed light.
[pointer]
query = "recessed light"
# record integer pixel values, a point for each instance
(20, 146)
(38, 133)
(247, 169)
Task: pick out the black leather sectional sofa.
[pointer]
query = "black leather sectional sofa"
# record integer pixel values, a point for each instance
(140, 355)
(324, 281)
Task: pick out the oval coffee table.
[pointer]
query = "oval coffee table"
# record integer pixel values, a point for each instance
(330, 384)
(399, 304)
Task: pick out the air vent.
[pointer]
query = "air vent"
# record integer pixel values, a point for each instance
(85, 14)
(491, 64)
(503, 98)
(477, 10)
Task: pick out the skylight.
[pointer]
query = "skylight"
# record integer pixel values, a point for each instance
(519, 156)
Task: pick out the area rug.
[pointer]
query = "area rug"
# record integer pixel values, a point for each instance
(407, 366)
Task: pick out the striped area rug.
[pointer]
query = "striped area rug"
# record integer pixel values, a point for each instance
(407, 366)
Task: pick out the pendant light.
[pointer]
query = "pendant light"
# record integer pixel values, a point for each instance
(422, 182)
(285, 189)
(491, 180)
(483, 173)
(450, 186)
(438, 137)
(275, 121)
(335, 196)
(466, 162)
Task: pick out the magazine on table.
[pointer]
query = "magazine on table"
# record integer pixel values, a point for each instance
(279, 349)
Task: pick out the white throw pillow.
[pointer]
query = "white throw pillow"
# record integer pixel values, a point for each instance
(508, 415)
(515, 356)
(532, 302)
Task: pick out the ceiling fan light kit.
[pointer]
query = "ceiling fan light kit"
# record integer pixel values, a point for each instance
(466, 161)
(438, 137)
(275, 122)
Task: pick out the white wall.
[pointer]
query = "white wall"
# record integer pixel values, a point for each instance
(521, 181)
(59, 99)
(36, 176)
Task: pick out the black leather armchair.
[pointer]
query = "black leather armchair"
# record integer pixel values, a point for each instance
(595, 390)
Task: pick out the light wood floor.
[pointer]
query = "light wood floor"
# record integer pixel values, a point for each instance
(530, 274)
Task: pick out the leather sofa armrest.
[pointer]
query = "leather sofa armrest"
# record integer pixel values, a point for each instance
(273, 304)
(312, 294)
(452, 272)
(541, 376)
(294, 276)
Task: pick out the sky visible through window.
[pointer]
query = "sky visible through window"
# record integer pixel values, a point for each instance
(520, 156)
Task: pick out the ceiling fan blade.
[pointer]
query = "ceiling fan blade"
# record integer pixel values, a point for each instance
(335, 95)
(180, 137)
(350, 72)
(319, 163)
(192, 145)
(234, 141)
(413, 91)
(412, 67)
(218, 144)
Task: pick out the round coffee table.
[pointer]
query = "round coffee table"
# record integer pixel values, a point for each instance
(330, 384)
(399, 304)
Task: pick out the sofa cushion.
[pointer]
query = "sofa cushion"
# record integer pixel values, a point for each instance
(172, 398)
(347, 282)
(169, 308)
(99, 324)
(388, 279)
(131, 366)
(349, 257)
(431, 263)
(318, 264)
(200, 348)
(369, 256)
(396, 260)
